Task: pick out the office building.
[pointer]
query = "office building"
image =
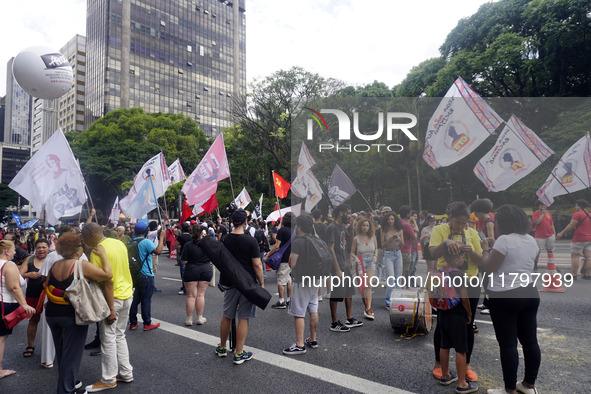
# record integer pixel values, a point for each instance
(185, 56)
(17, 115)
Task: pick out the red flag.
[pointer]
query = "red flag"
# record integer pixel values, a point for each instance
(187, 212)
(281, 185)
(276, 206)
(211, 204)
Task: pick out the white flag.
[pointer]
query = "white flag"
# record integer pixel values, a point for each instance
(176, 172)
(295, 209)
(571, 174)
(258, 209)
(313, 191)
(305, 162)
(156, 169)
(142, 202)
(67, 201)
(52, 177)
(115, 211)
(243, 199)
(461, 122)
(517, 153)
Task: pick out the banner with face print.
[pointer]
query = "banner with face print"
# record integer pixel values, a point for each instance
(461, 122)
(202, 183)
(517, 153)
(571, 174)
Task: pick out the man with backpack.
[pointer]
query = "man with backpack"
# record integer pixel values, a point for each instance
(144, 279)
(118, 291)
(304, 296)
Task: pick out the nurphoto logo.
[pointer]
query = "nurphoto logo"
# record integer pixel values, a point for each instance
(395, 121)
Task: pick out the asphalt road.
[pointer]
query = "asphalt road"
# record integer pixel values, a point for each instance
(372, 358)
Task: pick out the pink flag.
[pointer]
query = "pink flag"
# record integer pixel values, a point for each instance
(202, 183)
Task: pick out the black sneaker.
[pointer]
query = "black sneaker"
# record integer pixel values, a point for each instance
(78, 385)
(352, 322)
(294, 349)
(312, 344)
(95, 344)
(339, 327)
(279, 305)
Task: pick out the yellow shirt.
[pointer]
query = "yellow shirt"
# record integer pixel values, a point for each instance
(117, 255)
(441, 233)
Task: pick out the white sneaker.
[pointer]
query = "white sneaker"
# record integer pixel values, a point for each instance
(189, 321)
(522, 389)
(500, 390)
(485, 311)
(200, 320)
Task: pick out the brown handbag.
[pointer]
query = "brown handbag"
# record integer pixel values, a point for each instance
(14, 317)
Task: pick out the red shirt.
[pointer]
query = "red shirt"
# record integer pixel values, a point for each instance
(583, 228)
(409, 237)
(544, 229)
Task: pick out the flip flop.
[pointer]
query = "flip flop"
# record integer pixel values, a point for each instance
(6, 372)
(29, 351)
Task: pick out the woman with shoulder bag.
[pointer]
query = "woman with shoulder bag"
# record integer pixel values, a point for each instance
(12, 295)
(69, 337)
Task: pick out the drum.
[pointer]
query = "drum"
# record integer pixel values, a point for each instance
(410, 311)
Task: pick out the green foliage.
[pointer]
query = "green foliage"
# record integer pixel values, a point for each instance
(115, 147)
(8, 197)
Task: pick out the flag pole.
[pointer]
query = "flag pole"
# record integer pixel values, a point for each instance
(275, 188)
(361, 194)
(155, 198)
(232, 188)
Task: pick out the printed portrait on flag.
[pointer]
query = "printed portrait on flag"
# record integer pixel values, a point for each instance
(517, 153)
(213, 168)
(571, 174)
(461, 122)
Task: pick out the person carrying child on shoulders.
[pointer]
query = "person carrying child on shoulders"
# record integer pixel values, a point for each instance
(453, 323)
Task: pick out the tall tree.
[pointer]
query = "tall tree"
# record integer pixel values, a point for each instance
(115, 147)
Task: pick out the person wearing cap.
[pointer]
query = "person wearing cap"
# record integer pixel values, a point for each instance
(51, 237)
(246, 250)
(145, 279)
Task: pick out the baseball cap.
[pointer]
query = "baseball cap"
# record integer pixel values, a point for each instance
(431, 218)
(386, 209)
(239, 216)
(141, 227)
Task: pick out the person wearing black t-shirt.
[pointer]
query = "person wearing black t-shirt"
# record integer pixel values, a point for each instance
(337, 238)
(246, 250)
(196, 278)
(181, 241)
(283, 272)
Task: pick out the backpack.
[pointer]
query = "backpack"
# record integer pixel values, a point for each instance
(319, 256)
(135, 261)
(259, 235)
(442, 294)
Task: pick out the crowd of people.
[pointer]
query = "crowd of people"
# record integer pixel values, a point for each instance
(475, 240)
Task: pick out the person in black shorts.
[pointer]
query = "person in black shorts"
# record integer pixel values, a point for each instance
(197, 275)
(452, 324)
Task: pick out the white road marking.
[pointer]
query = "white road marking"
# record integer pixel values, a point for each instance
(173, 279)
(314, 371)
